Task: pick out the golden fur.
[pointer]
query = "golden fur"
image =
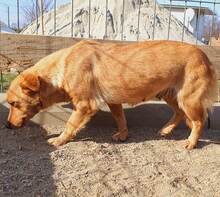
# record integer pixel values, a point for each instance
(91, 73)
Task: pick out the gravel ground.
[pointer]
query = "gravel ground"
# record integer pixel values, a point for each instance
(92, 165)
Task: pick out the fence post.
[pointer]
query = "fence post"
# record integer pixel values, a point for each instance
(197, 23)
(55, 6)
(122, 19)
(184, 20)
(42, 15)
(211, 30)
(106, 18)
(154, 23)
(89, 17)
(18, 16)
(168, 35)
(139, 13)
(8, 16)
(36, 10)
(72, 18)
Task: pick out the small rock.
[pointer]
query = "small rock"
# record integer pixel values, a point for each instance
(4, 151)
(20, 147)
(103, 146)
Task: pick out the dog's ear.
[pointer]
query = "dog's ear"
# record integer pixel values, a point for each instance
(30, 84)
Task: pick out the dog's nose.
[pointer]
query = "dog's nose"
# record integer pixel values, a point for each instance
(8, 125)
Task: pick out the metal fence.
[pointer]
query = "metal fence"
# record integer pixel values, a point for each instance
(170, 5)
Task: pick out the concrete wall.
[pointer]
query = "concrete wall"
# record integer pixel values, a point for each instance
(151, 114)
(179, 14)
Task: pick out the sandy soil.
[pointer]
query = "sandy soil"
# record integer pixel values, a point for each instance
(92, 165)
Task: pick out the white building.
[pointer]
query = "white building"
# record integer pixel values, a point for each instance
(195, 17)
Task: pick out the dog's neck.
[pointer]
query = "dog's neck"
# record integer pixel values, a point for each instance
(52, 88)
(49, 94)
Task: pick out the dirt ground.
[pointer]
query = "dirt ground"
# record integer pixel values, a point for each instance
(93, 165)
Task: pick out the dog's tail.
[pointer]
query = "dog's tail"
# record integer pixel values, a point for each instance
(199, 90)
(211, 90)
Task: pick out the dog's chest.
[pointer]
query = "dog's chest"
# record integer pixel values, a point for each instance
(58, 77)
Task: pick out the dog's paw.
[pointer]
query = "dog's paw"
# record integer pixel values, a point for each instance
(55, 141)
(165, 132)
(162, 134)
(189, 145)
(120, 136)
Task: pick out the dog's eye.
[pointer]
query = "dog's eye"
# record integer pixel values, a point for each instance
(11, 103)
(14, 104)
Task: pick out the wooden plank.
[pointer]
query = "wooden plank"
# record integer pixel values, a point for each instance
(25, 50)
(214, 42)
(22, 51)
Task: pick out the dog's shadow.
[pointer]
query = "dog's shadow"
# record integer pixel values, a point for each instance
(141, 124)
(25, 162)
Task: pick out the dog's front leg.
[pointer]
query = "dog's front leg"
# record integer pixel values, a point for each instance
(119, 116)
(78, 119)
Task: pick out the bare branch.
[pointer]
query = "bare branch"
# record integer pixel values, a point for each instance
(30, 9)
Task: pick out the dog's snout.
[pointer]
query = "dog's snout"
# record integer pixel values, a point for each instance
(8, 125)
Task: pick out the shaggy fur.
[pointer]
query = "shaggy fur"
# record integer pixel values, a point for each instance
(91, 73)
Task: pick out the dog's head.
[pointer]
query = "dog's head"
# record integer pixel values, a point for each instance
(24, 98)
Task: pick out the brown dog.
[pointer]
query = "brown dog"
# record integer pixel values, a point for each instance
(90, 73)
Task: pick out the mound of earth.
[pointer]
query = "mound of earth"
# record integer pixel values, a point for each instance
(114, 24)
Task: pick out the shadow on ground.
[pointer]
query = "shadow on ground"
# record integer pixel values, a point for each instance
(141, 124)
(25, 158)
(26, 167)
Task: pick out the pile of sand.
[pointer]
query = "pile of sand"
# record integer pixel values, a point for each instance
(110, 26)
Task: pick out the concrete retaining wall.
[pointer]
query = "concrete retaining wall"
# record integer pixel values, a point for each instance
(152, 114)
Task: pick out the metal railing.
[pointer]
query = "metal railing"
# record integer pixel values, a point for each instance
(200, 5)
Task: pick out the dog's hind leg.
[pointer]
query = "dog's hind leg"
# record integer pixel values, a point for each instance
(84, 111)
(197, 115)
(170, 97)
(119, 116)
(195, 101)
